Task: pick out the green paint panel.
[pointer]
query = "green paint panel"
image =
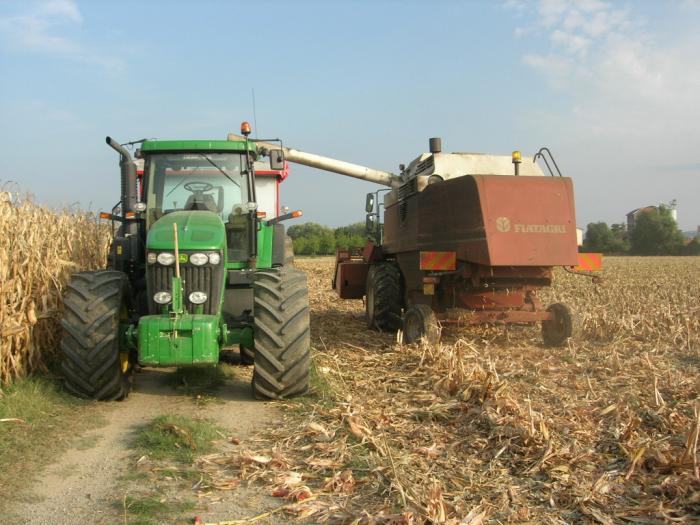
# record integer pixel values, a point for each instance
(265, 237)
(152, 146)
(196, 230)
(179, 341)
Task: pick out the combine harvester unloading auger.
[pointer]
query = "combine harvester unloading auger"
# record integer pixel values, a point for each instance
(466, 239)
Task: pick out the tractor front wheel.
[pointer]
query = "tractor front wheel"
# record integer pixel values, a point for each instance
(420, 321)
(282, 338)
(559, 329)
(247, 355)
(93, 365)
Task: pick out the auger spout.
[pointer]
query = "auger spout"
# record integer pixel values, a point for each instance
(328, 164)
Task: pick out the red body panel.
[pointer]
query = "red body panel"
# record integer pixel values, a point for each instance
(491, 220)
(351, 267)
(529, 221)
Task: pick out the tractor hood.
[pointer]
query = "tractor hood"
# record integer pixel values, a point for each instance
(196, 230)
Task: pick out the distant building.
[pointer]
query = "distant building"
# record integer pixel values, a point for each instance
(634, 214)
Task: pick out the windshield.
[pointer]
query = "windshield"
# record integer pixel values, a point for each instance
(195, 181)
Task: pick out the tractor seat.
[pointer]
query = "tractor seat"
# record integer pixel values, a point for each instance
(203, 201)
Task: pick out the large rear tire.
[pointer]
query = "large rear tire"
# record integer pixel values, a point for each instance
(383, 301)
(282, 337)
(93, 366)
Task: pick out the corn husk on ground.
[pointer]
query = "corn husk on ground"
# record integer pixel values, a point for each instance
(39, 249)
(492, 427)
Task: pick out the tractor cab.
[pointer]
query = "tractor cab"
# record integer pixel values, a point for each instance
(212, 177)
(195, 181)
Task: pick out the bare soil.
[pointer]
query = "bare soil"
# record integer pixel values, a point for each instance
(89, 482)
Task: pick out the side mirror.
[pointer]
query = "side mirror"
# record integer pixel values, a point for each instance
(369, 224)
(369, 203)
(276, 159)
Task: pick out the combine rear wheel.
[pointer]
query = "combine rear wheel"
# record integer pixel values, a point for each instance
(420, 321)
(559, 329)
(282, 339)
(383, 301)
(93, 365)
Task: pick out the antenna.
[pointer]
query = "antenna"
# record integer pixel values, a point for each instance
(255, 117)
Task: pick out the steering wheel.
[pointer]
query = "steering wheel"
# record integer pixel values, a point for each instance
(198, 186)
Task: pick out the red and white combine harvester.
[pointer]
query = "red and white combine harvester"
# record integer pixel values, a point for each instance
(466, 238)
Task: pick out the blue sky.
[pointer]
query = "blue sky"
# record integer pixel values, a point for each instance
(613, 88)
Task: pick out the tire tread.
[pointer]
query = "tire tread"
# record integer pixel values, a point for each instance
(282, 336)
(90, 346)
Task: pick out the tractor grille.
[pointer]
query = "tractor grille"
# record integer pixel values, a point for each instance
(206, 279)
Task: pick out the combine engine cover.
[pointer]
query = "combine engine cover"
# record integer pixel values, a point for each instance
(492, 220)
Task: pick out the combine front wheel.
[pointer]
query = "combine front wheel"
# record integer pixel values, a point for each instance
(282, 339)
(93, 365)
(558, 330)
(420, 321)
(383, 302)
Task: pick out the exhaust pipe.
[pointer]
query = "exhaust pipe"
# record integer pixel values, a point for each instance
(128, 181)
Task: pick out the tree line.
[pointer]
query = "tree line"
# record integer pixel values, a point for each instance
(655, 233)
(314, 239)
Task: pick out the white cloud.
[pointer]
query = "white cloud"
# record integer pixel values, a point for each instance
(573, 44)
(633, 91)
(46, 26)
(616, 68)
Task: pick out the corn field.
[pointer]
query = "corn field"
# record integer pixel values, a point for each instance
(39, 249)
(490, 426)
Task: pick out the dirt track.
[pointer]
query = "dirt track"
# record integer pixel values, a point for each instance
(85, 483)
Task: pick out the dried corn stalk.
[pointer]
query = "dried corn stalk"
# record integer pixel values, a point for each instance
(39, 249)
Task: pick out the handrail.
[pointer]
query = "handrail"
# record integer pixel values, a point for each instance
(539, 154)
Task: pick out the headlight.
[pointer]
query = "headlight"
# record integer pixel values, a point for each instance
(214, 258)
(198, 297)
(199, 259)
(151, 258)
(166, 258)
(162, 297)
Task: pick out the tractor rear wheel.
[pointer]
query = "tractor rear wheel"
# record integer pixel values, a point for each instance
(558, 330)
(419, 321)
(282, 338)
(383, 301)
(93, 365)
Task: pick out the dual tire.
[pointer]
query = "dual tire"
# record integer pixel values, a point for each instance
(384, 304)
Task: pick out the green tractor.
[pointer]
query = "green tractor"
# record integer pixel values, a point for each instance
(195, 269)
